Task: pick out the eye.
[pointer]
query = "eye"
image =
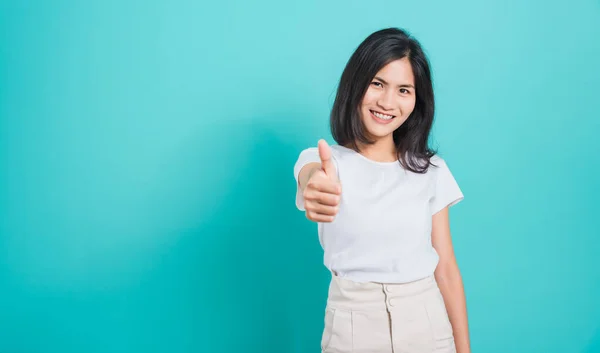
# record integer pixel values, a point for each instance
(377, 84)
(404, 91)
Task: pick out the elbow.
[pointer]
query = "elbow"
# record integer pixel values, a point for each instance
(447, 271)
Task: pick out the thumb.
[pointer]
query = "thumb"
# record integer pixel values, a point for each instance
(326, 162)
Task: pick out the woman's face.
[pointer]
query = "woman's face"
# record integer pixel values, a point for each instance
(389, 100)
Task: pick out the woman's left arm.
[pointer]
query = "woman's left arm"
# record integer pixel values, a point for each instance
(447, 274)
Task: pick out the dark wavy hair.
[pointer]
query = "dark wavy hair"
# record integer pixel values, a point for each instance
(377, 50)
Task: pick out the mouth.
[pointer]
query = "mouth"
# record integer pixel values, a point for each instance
(381, 118)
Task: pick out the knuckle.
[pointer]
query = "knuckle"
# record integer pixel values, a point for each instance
(313, 185)
(320, 197)
(338, 188)
(306, 194)
(331, 200)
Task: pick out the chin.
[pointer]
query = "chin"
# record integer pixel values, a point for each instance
(378, 135)
(379, 132)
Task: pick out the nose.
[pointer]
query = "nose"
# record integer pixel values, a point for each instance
(386, 100)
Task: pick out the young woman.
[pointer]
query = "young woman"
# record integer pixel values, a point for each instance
(380, 197)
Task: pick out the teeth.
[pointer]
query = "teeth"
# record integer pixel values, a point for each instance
(382, 116)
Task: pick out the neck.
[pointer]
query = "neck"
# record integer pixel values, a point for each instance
(383, 150)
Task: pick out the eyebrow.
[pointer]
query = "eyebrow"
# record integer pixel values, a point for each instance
(385, 83)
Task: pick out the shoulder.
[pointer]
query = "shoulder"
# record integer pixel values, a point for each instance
(336, 150)
(311, 154)
(438, 164)
(440, 167)
(437, 161)
(342, 153)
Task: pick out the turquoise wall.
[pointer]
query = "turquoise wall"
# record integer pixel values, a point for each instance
(146, 155)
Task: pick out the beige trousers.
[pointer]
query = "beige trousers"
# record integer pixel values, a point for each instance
(387, 318)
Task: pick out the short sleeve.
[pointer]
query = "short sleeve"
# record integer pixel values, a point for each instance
(309, 155)
(446, 190)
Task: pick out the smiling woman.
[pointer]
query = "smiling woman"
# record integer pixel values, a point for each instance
(395, 284)
(386, 81)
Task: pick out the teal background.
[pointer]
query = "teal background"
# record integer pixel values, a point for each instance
(146, 155)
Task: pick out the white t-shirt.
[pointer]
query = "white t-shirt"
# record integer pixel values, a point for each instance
(382, 232)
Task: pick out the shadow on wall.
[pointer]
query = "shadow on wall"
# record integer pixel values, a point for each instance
(243, 269)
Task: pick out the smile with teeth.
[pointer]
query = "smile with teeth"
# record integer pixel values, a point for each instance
(382, 116)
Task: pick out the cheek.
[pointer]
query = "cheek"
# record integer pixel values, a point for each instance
(407, 106)
(370, 98)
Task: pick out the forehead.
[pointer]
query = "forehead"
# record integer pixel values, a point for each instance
(397, 72)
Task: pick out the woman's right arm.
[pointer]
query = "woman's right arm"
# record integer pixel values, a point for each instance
(320, 187)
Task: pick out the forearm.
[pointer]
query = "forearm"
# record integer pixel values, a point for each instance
(451, 285)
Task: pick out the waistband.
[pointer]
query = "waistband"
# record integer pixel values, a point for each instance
(355, 296)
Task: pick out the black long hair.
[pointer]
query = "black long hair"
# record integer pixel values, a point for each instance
(377, 50)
